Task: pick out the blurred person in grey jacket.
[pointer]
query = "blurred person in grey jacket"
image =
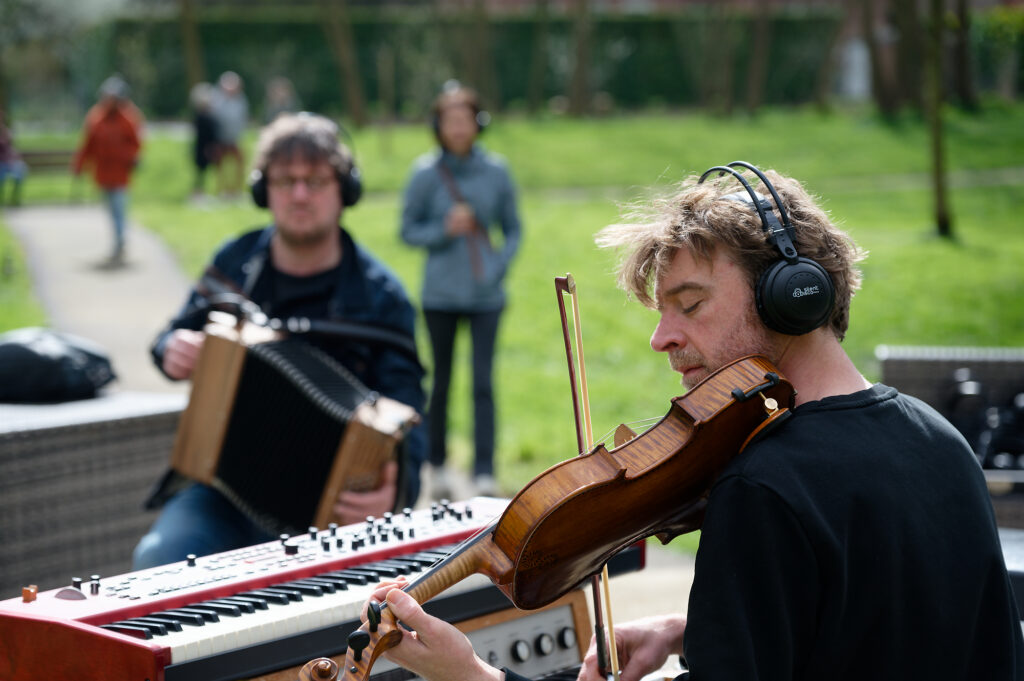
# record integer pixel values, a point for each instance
(460, 205)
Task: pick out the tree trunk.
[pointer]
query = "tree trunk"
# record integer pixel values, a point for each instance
(720, 40)
(933, 107)
(485, 78)
(757, 72)
(4, 104)
(910, 47)
(965, 91)
(882, 89)
(338, 31)
(538, 58)
(579, 87)
(827, 73)
(191, 45)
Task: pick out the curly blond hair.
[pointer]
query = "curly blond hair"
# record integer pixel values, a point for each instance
(696, 218)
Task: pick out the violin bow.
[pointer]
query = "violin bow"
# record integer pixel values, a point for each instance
(585, 440)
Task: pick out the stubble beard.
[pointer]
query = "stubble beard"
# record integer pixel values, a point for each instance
(750, 338)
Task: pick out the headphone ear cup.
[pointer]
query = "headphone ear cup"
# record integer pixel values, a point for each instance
(351, 185)
(483, 119)
(795, 298)
(258, 188)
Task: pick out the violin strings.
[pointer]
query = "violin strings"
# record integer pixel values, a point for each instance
(607, 438)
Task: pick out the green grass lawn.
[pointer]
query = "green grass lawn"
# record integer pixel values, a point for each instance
(918, 289)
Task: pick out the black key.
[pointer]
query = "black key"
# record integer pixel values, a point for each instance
(339, 583)
(205, 613)
(221, 608)
(414, 563)
(130, 629)
(292, 594)
(169, 626)
(267, 597)
(155, 628)
(352, 577)
(375, 572)
(403, 567)
(248, 604)
(192, 619)
(303, 587)
(327, 585)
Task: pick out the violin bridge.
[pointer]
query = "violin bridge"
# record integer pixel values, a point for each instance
(623, 434)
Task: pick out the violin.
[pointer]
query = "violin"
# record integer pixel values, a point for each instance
(656, 484)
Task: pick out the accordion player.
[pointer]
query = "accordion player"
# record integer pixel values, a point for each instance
(271, 414)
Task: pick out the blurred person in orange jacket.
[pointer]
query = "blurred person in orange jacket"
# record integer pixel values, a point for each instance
(111, 142)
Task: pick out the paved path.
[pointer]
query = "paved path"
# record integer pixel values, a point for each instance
(121, 308)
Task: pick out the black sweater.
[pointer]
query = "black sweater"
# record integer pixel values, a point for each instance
(855, 541)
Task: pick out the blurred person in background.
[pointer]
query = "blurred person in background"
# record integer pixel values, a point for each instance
(11, 163)
(204, 143)
(230, 110)
(111, 142)
(278, 98)
(458, 198)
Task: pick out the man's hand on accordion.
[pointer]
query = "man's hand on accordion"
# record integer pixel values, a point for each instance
(353, 507)
(181, 352)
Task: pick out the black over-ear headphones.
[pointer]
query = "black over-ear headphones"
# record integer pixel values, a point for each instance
(794, 295)
(350, 183)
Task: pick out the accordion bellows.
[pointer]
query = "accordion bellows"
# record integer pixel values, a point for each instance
(280, 427)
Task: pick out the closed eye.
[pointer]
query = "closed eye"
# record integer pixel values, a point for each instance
(692, 308)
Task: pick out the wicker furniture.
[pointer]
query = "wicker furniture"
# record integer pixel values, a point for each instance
(73, 478)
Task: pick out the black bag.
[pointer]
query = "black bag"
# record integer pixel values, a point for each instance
(40, 365)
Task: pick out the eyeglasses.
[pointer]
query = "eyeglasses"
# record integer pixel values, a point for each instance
(287, 183)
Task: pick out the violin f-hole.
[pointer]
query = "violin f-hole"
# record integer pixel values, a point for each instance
(771, 380)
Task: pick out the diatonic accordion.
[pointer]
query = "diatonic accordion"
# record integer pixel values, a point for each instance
(281, 428)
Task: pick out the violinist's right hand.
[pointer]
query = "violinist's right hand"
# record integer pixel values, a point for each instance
(181, 352)
(435, 650)
(643, 647)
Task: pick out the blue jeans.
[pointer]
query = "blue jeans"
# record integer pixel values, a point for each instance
(117, 204)
(483, 328)
(198, 520)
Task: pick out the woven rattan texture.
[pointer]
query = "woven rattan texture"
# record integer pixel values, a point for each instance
(71, 497)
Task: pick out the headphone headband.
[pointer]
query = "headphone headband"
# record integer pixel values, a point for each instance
(794, 295)
(780, 236)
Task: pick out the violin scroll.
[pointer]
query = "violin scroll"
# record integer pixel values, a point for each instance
(320, 669)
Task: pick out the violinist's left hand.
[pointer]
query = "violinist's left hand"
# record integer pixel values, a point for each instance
(435, 650)
(354, 507)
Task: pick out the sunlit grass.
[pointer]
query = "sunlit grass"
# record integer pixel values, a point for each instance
(918, 289)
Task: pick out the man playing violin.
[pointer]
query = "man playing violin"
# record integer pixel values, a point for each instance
(858, 535)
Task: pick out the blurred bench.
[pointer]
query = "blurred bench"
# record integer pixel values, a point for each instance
(73, 478)
(48, 160)
(955, 380)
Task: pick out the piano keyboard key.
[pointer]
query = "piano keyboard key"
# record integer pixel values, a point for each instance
(289, 608)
